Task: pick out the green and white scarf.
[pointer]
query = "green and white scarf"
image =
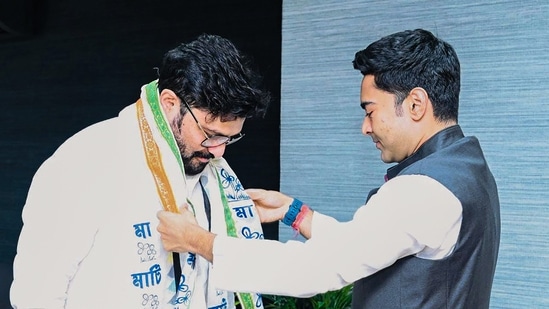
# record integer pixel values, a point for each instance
(241, 217)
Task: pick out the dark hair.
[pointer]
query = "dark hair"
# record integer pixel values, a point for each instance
(414, 58)
(209, 73)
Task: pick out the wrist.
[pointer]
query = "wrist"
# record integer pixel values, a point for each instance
(296, 214)
(300, 217)
(202, 243)
(293, 211)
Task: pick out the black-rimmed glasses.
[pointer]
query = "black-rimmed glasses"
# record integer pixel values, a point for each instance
(214, 140)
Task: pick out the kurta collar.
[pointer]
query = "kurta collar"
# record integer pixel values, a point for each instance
(440, 140)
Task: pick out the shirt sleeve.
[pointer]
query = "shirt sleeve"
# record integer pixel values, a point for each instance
(409, 215)
(59, 226)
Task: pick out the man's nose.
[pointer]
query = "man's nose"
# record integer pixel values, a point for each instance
(366, 126)
(217, 151)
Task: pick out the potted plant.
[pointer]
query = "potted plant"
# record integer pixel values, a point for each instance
(338, 299)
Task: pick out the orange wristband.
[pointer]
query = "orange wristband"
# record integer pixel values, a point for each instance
(300, 216)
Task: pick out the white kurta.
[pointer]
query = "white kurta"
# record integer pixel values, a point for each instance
(89, 237)
(399, 220)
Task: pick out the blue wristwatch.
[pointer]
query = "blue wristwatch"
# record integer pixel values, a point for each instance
(295, 208)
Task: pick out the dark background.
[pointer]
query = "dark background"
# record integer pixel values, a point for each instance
(67, 64)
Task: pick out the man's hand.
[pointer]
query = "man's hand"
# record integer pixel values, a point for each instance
(181, 233)
(271, 205)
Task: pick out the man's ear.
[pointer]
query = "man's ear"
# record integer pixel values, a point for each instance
(170, 102)
(418, 103)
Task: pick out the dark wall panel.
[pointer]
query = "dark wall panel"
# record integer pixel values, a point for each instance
(84, 61)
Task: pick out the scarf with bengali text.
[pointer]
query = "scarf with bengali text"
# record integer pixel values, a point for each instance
(239, 211)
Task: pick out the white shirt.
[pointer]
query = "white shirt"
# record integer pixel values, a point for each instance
(409, 215)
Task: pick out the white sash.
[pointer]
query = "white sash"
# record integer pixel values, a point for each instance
(224, 190)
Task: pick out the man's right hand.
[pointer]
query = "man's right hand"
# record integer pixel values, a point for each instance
(180, 233)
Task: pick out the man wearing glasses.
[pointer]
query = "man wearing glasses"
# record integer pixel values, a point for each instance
(90, 236)
(427, 238)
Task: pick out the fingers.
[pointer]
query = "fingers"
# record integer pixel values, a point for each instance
(256, 194)
(172, 225)
(169, 218)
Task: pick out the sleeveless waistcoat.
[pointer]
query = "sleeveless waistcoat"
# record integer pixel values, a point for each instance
(464, 278)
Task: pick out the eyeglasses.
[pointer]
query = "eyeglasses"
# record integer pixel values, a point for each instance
(214, 140)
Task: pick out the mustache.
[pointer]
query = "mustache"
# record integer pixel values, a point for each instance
(206, 155)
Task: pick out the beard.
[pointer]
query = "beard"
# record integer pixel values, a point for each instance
(191, 166)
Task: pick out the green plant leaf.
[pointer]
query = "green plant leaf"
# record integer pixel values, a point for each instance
(338, 299)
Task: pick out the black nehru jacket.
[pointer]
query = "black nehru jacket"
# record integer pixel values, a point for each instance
(464, 278)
